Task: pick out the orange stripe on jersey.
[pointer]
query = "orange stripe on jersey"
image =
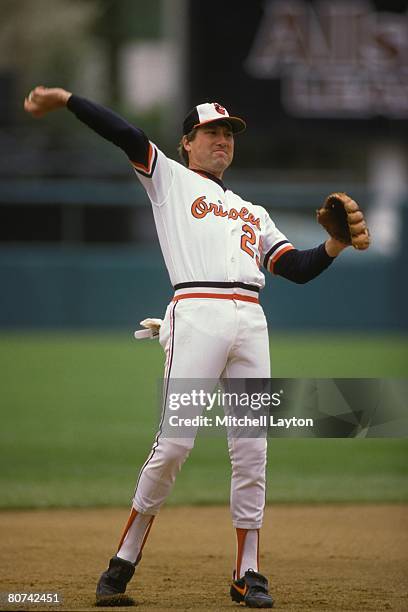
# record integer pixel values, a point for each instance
(274, 259)
(217, 296)
(147, 168)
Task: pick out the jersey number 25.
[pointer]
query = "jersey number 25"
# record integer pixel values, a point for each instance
(248, 240)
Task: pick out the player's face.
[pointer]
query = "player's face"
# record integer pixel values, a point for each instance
(212, 149)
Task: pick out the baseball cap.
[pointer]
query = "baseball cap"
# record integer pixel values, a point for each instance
(209, 112)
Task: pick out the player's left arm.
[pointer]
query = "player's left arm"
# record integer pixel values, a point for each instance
(302, 266)
(299, 266)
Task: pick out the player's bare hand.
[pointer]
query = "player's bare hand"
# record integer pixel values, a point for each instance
(42, 100)
(334, 247)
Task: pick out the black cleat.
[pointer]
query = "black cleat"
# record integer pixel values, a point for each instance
(252, 590)
(111, 587)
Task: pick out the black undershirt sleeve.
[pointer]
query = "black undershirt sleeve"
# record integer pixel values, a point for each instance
(111, 126)
(302, 266)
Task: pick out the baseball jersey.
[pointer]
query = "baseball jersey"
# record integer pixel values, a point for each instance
(207, 232)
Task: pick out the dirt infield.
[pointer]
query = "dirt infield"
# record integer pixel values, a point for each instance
(317, 557)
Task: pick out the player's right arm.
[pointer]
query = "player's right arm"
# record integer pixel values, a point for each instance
(142, 153)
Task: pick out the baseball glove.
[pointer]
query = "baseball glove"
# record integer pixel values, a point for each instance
(342, 218)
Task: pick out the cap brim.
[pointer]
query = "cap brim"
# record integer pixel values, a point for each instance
(238, 125)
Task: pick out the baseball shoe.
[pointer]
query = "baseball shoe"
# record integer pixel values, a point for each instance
(111, 587)
(252, 590)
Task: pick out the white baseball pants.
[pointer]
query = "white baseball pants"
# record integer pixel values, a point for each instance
(211, 338)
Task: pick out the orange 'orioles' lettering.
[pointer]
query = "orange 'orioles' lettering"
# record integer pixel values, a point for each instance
(200, 209)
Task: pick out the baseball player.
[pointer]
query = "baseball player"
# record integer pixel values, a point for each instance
(215, 246)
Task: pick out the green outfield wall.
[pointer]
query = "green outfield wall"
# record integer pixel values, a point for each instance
(97, 287)
(74, 284)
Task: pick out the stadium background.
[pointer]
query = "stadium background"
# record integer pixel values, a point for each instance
(80, 264)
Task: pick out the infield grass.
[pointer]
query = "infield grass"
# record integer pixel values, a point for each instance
(79, 412)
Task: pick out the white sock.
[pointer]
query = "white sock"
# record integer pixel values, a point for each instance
(134, 539)
(249, 558)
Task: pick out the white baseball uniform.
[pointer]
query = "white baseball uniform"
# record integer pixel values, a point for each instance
(213, 243)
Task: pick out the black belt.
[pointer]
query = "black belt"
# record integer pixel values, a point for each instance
(221, 285)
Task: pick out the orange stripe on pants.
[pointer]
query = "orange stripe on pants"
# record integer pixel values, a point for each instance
(241, 536)
(132, 516)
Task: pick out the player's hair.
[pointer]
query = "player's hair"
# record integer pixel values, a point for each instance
(183, 154)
